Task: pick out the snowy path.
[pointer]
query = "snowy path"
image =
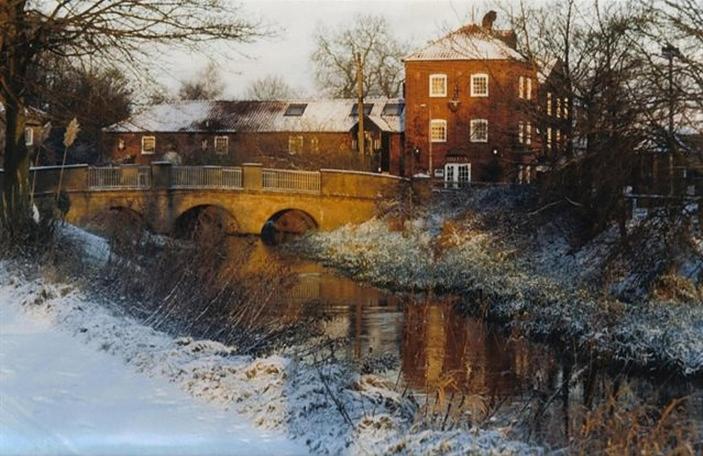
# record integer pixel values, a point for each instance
(59, 396)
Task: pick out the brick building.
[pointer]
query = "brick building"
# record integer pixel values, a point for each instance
(305, 134)
(474, 109)
(34, 132)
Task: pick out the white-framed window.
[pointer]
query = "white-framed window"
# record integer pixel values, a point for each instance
(438, 130)
(558, 137)
(479, 131)
(29, 136)
(203, 144)
(121, 144)
(528, 133)
(558, 108)
(438, 85)
(525, 88)
(221, 145)
(148, 145)
(566, 108)
(521, 87)
(549, 138)
(314, 144)
(295, 144)
(549, 103)
(479, 85)
(521, 132)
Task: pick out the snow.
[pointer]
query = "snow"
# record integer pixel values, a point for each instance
(321, 115)
(541, 287)
(112, 379)
(466, 44)
(60, 396)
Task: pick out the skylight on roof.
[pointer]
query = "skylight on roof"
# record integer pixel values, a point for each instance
(296, 109)
(392, 109)
(367, 109)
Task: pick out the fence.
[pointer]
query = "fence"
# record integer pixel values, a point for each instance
(205, 177)
(294, 181)
(119, 178)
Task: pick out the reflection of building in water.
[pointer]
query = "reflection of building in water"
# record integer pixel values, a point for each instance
(443, 348)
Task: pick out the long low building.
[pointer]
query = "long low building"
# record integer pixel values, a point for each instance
(305, 134)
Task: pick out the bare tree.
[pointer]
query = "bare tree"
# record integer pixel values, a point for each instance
(271, 87)
(114, 31)
(614, 90)
(371, 37)
(64, 90)
(207, 85)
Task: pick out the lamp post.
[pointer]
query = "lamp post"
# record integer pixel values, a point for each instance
(670, 52)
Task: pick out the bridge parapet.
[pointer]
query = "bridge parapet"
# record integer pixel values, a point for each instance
(250, 177)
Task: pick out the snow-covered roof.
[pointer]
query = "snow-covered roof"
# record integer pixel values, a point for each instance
(34, 115)
(328, 115)
(545, 69)
(469, 43)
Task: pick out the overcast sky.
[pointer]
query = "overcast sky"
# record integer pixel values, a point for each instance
(295, 21)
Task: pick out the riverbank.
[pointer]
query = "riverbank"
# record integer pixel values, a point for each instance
(301, 392)
(521, 267)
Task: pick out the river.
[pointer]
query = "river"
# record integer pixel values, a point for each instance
(442, 357)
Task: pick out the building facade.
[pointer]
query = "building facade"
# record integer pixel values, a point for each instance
(303, 134)
(475, 110)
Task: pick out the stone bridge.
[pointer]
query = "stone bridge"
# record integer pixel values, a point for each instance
(247, 199)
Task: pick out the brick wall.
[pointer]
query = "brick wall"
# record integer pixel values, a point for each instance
(319, 150)
(502, 108)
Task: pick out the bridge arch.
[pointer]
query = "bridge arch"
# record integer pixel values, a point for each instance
(204, 217)
(287, 222)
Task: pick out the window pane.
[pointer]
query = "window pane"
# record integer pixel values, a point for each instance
(438, 85)
(479, 85)
(392, 109)
(296, 109)
(439, 131)
(367, 109)
(479, 130)
(148, 144)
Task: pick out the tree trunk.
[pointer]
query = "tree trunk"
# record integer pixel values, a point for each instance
(15, 210)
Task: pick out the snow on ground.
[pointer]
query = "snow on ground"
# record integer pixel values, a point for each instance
(279, 394)
(543, 290)
(59, 396)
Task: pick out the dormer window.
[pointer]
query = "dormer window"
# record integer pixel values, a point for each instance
(355, 109)
(438, 85)
(295, 109)
(392, 109)
(479, 85)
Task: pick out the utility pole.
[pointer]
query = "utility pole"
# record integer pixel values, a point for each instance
(670, 52)
(360, 107)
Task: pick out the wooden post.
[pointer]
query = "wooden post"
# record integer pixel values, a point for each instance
(361, 140)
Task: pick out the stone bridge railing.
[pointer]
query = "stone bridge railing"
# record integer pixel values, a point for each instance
(248, 177)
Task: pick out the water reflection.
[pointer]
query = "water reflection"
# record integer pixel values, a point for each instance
(440, 351)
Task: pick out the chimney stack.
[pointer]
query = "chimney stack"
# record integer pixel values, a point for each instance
(488, 20)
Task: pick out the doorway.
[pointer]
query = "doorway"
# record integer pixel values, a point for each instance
(457, 175)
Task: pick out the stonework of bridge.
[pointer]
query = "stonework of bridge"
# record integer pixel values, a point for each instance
(245, 199)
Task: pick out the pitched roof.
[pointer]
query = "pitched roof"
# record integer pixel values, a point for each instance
(330, 115)
(469, 43)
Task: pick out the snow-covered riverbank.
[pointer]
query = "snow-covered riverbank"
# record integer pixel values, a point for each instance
(60, 396)
(324, 408)
(535, 282)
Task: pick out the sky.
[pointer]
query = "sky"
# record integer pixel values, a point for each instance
(295, 21)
